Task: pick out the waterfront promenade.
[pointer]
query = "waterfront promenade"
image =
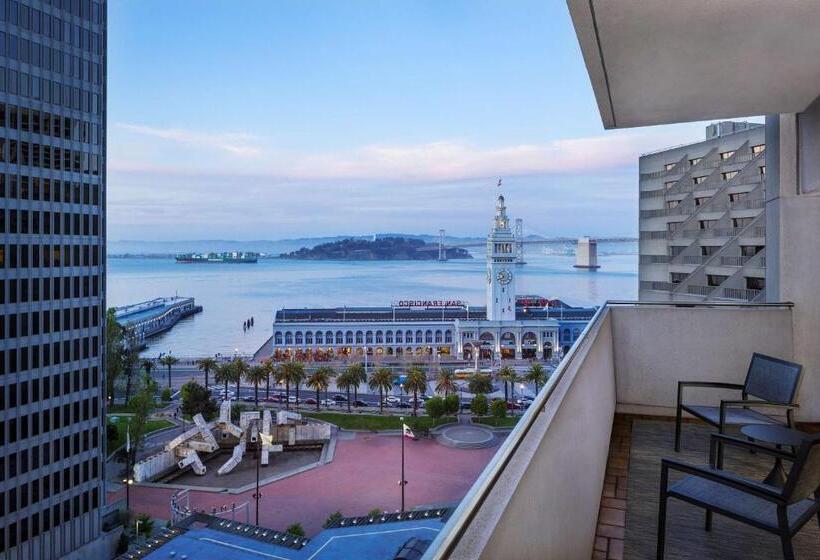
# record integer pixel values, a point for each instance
(362, 476)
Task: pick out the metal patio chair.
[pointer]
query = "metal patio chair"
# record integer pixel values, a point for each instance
(771, 381)
(782, 511)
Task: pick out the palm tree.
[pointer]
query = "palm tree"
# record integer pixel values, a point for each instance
(345, 382)
(416, 381)
(224, 374)
(241, 368)
(297, 377)
(445, 381)
(537, 375)
(357, 377)
(381, 379)
(168, 360)
(148, 366)
(282, 375)
(270, 371)
(255, 375)
(507, 375)
(206, 365)
(319, 381)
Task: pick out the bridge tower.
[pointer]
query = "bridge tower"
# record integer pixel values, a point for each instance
(442, 252)
(519, 241)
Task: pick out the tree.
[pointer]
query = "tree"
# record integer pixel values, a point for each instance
(169, 360)
(479, 383)
(498, 408)
(296, 530)
(345, 382)
(206, 366)
(129, 356)
(114, 337)
(332, 519)
(319, 381)
(291, 372)
(445, 381)
(270, 371)
(240, 368)
(148, 366)
(146, 524)
(256, 375)
(357, 377)
(141, 404)
(507, 375)
(375, 512)
(197, 400)
(416, 382)
(451, 404)
(298, 375)
(282, 377)
(536, 375)
(224, 374)
(434, 407)
(381, 379)
(479, 406)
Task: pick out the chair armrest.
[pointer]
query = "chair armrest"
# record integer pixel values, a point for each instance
(731, 440)
(712, 384)
(758, 489)
(752, 403)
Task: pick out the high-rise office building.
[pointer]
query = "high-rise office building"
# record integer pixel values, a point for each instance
(52, 288)
(702, 222)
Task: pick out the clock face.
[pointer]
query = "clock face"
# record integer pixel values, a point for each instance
(504, 276)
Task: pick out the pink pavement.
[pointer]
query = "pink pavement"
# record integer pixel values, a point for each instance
(363, 475)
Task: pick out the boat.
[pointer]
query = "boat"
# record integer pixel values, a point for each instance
(232, 257)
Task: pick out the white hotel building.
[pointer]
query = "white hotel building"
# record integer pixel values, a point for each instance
(507, 327)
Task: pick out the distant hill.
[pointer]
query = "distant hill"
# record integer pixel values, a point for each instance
(380, 249)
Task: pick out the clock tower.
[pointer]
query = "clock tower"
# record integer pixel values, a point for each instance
(501, 267)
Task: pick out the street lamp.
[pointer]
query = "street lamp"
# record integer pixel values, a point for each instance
(128, 482)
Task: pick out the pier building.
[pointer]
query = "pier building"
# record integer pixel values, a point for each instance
(148, 318)
(508, 326)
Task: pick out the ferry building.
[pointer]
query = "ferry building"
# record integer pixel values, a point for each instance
(509, 326)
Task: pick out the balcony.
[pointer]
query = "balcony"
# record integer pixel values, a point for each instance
(578, 476)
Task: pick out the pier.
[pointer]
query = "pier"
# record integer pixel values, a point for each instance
(150, 318)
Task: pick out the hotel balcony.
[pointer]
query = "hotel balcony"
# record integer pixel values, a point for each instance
(579, 475)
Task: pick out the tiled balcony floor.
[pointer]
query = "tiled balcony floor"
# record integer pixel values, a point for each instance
(685, 537)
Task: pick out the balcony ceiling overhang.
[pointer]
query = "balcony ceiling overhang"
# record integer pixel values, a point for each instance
(654, 62)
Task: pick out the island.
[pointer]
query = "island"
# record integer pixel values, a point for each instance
(380, 249)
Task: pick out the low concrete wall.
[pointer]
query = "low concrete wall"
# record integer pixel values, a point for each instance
(539, 508)
(657, 346)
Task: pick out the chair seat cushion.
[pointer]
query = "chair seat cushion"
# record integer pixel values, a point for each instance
(733, 415)
(726, 498)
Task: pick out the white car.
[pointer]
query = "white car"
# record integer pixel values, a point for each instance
(328, 402)
(392, 400)
(292, 400)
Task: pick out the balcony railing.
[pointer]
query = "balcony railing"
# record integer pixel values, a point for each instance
(659, 286)
(700, 290)
(741, 293)
(654, 259)
(540, 494)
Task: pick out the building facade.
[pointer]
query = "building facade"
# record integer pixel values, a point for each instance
(506, 327)
(52, 289)
(702, 218)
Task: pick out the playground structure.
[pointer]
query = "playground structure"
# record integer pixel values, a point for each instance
(256, 430)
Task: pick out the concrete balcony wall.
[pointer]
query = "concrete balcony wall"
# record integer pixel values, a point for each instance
(544, 501)
(657, 346)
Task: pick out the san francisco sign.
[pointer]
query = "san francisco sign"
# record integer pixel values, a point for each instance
(430, 303)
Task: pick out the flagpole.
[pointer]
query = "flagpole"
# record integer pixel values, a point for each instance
(403, 482)
(128, 467)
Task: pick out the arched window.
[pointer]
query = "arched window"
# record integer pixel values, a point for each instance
(340, 339)
(309, 337)
(428, 336)
(329, 337)
(419, 337)
(379, 337)
(320, 339)
(448, 337)
(288, 338)
(299, 339)
(359, 337)
(368, 337)
(349, 337)
(399, 337)
(438, 337)
(408, 337)
(277, 338)
(576, 333)
(388, 337)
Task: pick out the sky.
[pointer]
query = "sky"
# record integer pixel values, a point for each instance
(272, 119)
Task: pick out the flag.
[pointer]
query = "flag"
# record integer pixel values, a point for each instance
(407, 432)
(128, 439)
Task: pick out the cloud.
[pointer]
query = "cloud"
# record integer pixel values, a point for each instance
(435, 161)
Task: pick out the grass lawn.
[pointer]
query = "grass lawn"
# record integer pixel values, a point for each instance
(506, 422)
(126, 408)
(373, 422)
(121, 423)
